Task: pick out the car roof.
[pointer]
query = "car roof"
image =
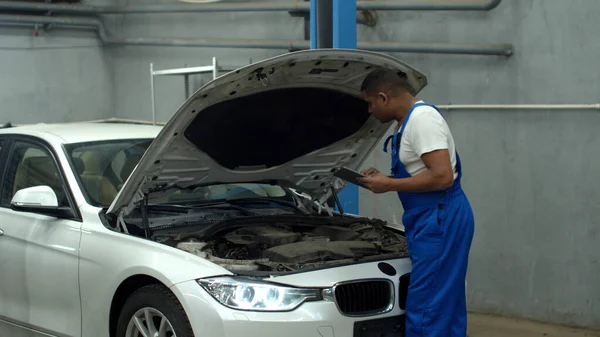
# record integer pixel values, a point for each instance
(85, 132)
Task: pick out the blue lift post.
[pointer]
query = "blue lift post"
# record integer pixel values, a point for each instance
(344, 36)
(344, 24)
(334, 22)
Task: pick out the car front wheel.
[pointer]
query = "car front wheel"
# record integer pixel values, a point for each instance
(153, 311)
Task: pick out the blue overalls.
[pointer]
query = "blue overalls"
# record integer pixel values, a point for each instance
(439, 229)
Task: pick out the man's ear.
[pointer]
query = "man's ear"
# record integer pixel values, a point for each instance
(383, 97)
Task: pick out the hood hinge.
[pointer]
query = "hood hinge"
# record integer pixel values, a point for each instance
(337, 200)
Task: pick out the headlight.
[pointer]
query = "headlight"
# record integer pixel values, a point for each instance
(257, 296)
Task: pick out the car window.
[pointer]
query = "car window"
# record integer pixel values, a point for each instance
(103, 166)
(31, 165)
(228, 191)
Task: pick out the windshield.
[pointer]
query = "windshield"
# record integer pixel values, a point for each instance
(103, 167)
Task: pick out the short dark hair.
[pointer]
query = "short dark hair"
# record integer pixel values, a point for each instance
(387, 80)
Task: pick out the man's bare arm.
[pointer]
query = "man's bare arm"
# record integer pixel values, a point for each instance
(438, 176)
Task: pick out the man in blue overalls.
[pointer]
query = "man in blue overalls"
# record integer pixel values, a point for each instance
(438, 220)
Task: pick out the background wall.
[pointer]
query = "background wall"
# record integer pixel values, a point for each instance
(531, 175)
(57, 76)
(132, 64)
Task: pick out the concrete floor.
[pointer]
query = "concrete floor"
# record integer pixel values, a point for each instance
(491, 326)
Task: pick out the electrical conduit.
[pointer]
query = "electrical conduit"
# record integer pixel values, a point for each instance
(297, 5)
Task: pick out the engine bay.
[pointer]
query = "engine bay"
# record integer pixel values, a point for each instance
(289, 246)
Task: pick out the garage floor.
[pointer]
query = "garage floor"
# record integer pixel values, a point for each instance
(490, 326)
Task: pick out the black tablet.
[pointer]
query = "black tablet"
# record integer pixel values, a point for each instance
(349, 175)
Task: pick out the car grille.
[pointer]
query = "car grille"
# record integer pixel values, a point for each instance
(363, 298)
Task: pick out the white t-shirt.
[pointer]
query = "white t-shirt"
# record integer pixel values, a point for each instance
(425, 131)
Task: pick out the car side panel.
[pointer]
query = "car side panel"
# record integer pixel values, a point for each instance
(108, 258)
(14, 330)
(39, 287)
(39, 272)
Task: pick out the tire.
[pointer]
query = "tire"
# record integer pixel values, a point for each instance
(154, 301)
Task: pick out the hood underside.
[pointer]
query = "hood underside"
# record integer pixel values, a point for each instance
(289, 120)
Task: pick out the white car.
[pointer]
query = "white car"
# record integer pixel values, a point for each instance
(214, 225)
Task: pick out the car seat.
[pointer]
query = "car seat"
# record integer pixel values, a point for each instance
(98, 187)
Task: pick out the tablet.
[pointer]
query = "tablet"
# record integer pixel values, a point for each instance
(349, 175)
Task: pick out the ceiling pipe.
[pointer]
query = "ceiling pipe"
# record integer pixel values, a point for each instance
(167, 8)
(474, 49)
(297, 5)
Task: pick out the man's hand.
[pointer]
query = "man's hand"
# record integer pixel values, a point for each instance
(370, 171)
(376, 182)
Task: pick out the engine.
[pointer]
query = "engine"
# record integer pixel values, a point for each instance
(290, 247)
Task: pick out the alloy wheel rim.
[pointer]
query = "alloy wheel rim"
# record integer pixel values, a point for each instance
(149, 322)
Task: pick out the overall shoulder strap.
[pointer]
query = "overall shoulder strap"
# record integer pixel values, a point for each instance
(416, 105)
(387, 142)
(395, 135)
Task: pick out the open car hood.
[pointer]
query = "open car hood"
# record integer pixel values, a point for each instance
(288, 120)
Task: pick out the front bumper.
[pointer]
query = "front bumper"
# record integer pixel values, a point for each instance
(318, 319)
(382, 327)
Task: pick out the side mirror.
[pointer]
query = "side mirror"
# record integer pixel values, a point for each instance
(39, 199)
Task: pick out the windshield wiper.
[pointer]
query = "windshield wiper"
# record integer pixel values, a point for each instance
(222, 204)
(266, 201)
(145, 207)
(226, 204)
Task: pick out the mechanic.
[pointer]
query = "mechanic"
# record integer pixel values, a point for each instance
(438, 219)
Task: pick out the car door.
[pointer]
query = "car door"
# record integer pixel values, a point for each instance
(39, 287)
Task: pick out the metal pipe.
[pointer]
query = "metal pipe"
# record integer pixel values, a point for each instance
(215, 70)
(209, 43)
(152, 98)
(58, 21)
(438, 48)
(297, 5)
(429, 5)
(324, 23)
(398, 47)
(595, 106)
(406, 47)
(151, 41)
(186, 83)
